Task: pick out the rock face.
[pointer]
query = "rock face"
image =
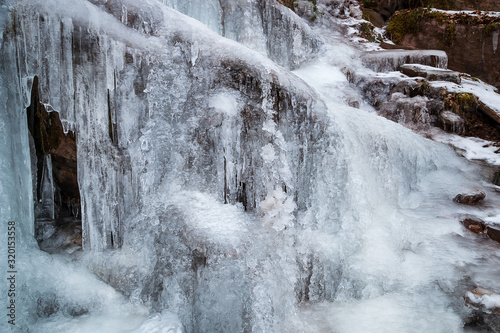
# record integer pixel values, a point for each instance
(421, 29)
(386, 8)
(59, 177)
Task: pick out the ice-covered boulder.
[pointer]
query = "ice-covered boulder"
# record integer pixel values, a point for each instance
(451, 122)
(471, 198)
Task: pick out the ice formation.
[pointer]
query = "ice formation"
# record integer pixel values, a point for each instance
(220, 191)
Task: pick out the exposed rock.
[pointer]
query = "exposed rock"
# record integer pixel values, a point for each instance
(435, 106)
(387, 7)
(496, 178)
(430, 73)
(374, 17)
(51, 145)
(489, 112)
(477, 123)
(474, 225)
(493, 232)
(67, 237)
(470, 198)
(423, 29)
(451, 122)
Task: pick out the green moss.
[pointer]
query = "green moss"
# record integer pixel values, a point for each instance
(441, 4)
(440, 17)
(449, 34)
(465, 102)
(288, 3)
(490, 28)
(366, 31)
(404, 22)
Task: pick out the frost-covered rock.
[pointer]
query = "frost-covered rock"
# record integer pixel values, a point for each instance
(451, 122)
(430, 73)
(474, 225)
(391, 60)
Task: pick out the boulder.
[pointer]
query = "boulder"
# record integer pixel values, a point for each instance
(474, 225)
(372, 16)
(470, 198)
(493, 232)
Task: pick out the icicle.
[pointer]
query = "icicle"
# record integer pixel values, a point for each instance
(47, 191)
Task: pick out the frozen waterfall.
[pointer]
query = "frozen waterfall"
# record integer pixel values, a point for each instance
(226, 183)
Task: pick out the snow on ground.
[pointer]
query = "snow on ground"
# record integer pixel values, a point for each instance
(471, 148)
(467, 12)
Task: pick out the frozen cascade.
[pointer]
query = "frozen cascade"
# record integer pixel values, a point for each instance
(221, 192)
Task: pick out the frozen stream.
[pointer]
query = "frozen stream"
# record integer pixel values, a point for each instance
(239, 192)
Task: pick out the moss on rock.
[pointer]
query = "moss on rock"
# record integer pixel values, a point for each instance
(404, 22)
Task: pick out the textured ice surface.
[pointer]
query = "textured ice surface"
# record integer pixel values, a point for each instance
(390, 60)
(223, 193)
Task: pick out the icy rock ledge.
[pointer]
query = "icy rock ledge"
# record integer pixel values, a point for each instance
(390, 60)
(430, 73)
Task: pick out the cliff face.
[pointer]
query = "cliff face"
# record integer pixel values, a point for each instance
(470, 41)
(388, 7)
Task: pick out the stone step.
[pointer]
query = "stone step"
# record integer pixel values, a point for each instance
(430, 73)
(390, 60)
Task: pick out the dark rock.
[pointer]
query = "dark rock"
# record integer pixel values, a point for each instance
(474, 225)
(372, 16)
(435, 106)
(470, 198)
(496, 178)
(470, 42)
(493, 232)
(50, 140)
(489, 112)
